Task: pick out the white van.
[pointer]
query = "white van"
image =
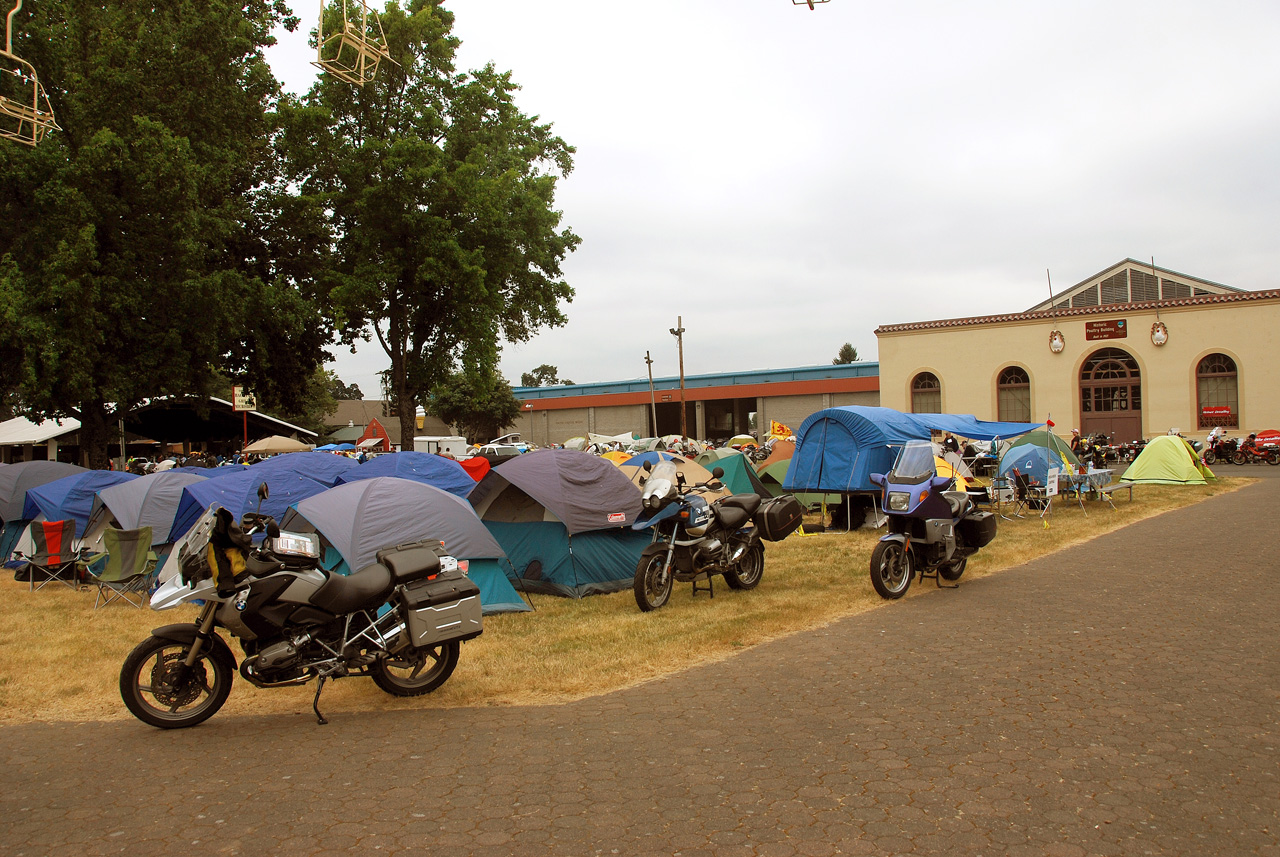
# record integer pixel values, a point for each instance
(448, 444)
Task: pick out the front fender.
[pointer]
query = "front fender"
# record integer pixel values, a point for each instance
(186, 634)
(667, 511)
(900, 538)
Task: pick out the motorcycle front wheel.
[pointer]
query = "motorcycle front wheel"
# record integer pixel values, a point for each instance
(1210, 458)
(891, 569)
(414, 672)
(154, 691)
(1238, 458)
(748, 571)
(653, 581)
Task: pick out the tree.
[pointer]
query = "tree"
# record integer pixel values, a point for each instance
(446, 241)
(847, 354)
(140, 244)
(545, 375)
(481, 404)
(343, 392)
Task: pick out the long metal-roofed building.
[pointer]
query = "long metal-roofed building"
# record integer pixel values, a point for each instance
(716, 406)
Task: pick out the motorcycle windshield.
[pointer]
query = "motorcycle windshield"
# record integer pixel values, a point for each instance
(661, 480)
(914, 464)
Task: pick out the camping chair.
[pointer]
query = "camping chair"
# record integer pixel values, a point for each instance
(54, 560)
(124, 570)
(1021, 495)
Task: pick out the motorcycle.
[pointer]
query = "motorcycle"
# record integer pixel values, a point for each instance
(1219, 448)
(1132, 449)
(399, 621)
(932, 530)
(1256, 455)
(695, 540)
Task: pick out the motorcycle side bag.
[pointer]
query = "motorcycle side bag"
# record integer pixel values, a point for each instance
(411, 562)
(444, 608)
(978, 529)
(778, 518)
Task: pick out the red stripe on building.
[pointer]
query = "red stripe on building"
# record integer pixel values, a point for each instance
(740, 391)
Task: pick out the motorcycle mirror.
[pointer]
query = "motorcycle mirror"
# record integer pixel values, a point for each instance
(647, 466)
(717, 472)
(263, 492)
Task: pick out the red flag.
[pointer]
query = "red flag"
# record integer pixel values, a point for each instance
(1049, 423)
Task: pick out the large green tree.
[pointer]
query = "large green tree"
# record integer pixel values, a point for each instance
(446, 241)
(147, 242)
(480, 403)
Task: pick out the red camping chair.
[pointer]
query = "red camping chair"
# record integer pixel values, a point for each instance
(54, 560)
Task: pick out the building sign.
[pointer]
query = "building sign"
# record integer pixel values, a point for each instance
(1105, 330)
(1216, 411)
(243, 401)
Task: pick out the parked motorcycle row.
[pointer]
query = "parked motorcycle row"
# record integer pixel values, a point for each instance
(1231, 450)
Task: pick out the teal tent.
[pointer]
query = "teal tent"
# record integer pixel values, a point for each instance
(563, 518)
(739, 476)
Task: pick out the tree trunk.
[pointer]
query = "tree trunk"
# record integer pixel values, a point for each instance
(94, 435)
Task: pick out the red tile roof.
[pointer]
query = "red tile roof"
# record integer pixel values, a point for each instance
(1071, 312)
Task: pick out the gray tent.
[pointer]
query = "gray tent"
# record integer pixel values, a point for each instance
(360, 518)
(17, 479)
(148, 501)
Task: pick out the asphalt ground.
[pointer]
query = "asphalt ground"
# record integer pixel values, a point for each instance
(1120, 697)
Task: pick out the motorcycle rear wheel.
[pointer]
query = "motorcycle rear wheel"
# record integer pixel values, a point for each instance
(147, 691)
(951, 571)
(891, 570)
(1273, 456)
(747, 573)
(414, 672)
(653, 581)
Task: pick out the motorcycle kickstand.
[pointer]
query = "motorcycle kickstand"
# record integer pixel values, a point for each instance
(315, 703)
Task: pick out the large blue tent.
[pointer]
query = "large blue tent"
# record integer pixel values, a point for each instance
(363, 517)
(435, 470)
(238, 494)
(321, 466)
(837, 449)
(71, 497)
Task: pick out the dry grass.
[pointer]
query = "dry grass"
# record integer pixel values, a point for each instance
(59, 658)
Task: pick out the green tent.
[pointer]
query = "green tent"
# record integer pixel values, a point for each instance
(773, 475)
(1168, 460)
(1047, 439)
(739, 476)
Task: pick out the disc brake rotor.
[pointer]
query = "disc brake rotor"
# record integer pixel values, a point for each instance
(164, 691)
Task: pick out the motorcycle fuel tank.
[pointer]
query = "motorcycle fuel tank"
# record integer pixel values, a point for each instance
(699, 517)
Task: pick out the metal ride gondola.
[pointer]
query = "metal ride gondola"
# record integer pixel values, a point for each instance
(352, 52)
(25, 113)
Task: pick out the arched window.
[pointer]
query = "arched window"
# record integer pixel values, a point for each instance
(1013, 395)
(1217, 392)
(926, 394)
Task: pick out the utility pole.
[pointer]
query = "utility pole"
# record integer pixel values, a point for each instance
(678, 333)
(653, 401)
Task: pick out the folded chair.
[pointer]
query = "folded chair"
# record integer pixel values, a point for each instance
(54, 560)
(123, 571)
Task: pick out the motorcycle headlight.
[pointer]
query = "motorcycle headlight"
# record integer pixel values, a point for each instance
(899, 501)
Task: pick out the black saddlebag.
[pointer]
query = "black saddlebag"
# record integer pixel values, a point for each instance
(778, 518)
(411, 562)
(978, 529)
(441, 608)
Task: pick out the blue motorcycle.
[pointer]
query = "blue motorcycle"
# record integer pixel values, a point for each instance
(932, 530)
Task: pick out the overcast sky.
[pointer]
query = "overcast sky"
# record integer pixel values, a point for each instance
(787, 180)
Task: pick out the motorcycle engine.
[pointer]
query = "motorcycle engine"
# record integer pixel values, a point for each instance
(280, 655)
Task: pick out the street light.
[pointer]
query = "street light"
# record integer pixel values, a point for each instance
(678, 333)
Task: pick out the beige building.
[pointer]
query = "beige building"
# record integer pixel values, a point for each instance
(1133, 351)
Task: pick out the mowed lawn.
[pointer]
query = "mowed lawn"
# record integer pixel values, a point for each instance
(60, 658)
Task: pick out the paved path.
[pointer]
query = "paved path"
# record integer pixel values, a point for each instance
(1117, 698)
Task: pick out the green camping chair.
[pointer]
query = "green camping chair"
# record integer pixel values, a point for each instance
(124, 570)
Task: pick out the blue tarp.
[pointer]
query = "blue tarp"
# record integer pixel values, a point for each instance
(71, 497)
(238, 494)
(434, 470)
(321, 466)
(837, 449)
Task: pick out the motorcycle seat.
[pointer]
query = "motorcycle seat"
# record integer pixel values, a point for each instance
(958, 501)
(342, 594)
(736, 509)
